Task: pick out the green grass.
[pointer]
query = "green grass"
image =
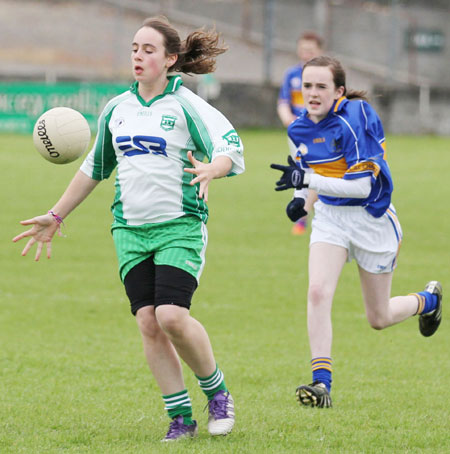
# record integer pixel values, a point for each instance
(72, 373)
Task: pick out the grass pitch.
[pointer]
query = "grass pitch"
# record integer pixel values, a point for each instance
(72, 373)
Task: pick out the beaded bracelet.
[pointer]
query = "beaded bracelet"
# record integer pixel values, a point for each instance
(57, 218)
(59, 221)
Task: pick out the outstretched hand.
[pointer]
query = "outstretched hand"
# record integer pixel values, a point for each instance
(293, 176)
(42, 231)
(204, 172)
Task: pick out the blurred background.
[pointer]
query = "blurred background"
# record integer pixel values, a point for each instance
(77, 54)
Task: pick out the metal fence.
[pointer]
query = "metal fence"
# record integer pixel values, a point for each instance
(391, 44)
(404, 42)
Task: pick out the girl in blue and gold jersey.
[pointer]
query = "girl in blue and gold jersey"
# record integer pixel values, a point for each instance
(341, 155)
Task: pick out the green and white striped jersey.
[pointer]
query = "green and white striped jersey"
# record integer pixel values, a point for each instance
(148, 143)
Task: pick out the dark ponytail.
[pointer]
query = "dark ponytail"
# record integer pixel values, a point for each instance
(196, 54)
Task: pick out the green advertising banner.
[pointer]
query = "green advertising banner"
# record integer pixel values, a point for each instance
(21, 104)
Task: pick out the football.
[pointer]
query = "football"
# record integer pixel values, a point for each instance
(61, 135)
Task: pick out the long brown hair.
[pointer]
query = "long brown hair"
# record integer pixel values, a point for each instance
(196, 54)
(338, 75)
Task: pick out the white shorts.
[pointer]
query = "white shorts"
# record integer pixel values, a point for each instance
(373, 242)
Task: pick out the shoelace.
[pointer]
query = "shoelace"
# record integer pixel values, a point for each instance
(174, 427)
(218, 408)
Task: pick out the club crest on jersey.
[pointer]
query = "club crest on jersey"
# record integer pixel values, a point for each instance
(296, 82)
(232, 138)
(168, 122)
(302, 149)
(336, 145)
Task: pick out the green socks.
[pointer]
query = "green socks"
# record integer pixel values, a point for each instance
(212, 384)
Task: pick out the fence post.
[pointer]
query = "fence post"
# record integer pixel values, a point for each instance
(269, 7)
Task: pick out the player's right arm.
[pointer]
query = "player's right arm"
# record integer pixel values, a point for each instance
(284, 109)
(44, 227)
(97, 166)
(285, 113)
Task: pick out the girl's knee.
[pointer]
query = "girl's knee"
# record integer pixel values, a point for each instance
(147, 323)
(318, 295)
(171, 318)
(378, 321)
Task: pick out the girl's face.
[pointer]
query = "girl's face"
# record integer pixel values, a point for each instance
(307, 49)
(319, 91)
(148, 56)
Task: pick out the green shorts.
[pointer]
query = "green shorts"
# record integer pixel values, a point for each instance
(179, 242)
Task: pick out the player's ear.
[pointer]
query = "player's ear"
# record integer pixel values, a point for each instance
(171, 60)
(340, 92)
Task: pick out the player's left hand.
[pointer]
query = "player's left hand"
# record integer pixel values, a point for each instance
(296, 209)
(204, 174)
(293, 176)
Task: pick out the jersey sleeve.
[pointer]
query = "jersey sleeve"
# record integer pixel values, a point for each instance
(365, 143)
(230, 145)
(101, 160)
(211, 132)
(367, 158)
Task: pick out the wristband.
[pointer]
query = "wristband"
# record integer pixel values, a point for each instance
(59, 221)
(57, 218)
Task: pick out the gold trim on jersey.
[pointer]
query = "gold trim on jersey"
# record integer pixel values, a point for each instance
(297, 98)
(383, 146)
(364, 167)
(335, 169)
(338, 102)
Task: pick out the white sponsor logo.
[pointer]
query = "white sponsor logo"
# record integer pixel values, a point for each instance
(192, 265)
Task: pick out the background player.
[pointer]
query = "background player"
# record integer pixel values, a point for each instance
(290, 103)
(157, 135)
(341, 138)
(290, 98)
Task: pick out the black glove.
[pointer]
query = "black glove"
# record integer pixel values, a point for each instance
(292, 176)
(295, 209)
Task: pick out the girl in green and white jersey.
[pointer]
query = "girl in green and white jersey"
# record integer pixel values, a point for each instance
(166, 145)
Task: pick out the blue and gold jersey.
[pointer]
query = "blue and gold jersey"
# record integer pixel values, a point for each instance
(348, 143)
(291, 90)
